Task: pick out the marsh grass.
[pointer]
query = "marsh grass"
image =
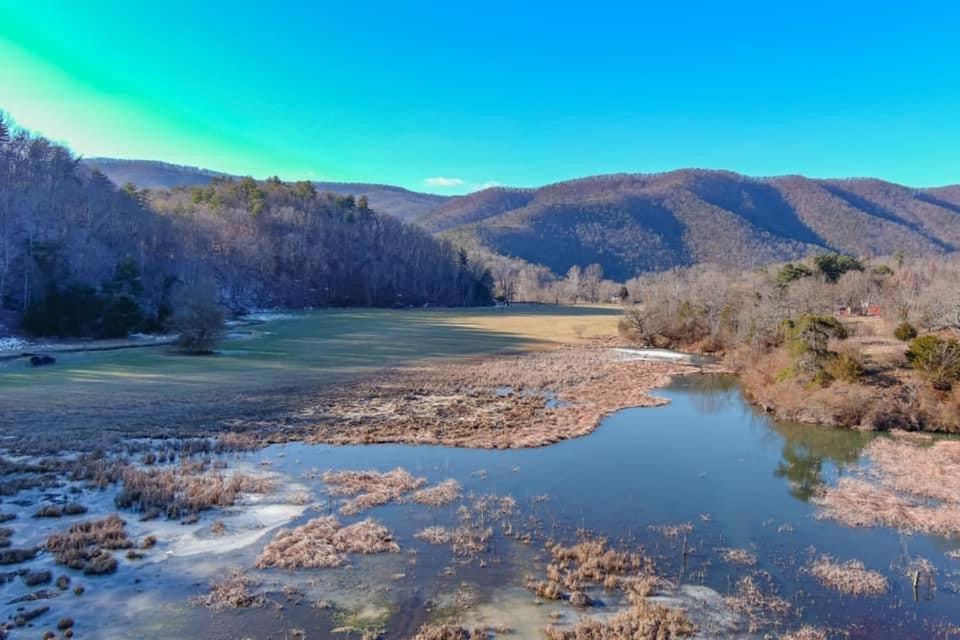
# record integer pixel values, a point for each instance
(641, 621)
(324, 543)
(370, 488)
(185, 489)
(234, 590)
(850, 578)
(911, 484)
(85, 545)
(440, 494)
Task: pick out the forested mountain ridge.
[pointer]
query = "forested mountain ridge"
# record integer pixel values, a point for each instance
(632, 223)
(149, 174)
(79, 256)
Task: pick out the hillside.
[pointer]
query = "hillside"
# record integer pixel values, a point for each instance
(80, 256)
(148, 174)
(630, 223)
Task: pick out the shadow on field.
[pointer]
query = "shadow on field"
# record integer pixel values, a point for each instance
(260, 375)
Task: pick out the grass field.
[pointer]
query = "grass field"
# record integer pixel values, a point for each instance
(278, 358)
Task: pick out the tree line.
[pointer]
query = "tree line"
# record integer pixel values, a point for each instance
(81, 257)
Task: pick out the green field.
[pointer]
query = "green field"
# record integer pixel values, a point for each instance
(272, 362)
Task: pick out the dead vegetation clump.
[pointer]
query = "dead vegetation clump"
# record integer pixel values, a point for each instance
(756, 599)
(738, 556)
(850, 577)
(323, 543)
(235, 590)
(370, 488)
(434, 535)
(184, 490)
(439, 494)
(85, 545)
(910, 485)
(449, 632)
(642, 621)
(590, 562)
(806, 633)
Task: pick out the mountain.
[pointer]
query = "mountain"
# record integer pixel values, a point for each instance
(149, 174)
(631, 223)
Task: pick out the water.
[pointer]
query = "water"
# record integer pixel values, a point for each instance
(741, 479)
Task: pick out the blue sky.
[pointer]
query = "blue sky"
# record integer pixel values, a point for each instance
(449, 97)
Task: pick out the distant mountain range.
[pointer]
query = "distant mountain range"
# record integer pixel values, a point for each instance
(150, 174)
(631, 223)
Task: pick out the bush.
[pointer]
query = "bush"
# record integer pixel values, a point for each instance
(937, 359)
(905, 332)
(846, 366)
(198, 318)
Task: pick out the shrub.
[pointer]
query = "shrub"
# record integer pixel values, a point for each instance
(845, 366)
(937, 359)
(198, 318)
(905, 332)
(791, 272)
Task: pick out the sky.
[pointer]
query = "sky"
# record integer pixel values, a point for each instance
(450, 97)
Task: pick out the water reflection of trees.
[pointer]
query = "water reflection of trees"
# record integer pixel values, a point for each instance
(807, 449)
(713, 393)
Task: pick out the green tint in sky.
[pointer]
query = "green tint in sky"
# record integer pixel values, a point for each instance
(449, 97)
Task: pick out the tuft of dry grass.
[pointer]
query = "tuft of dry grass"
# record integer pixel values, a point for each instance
(449, 632)
(85, 545)
(434, 535)
(235, 590)
(738, 556)
(323, 543)
(806, 633)
(185, 490)
(370, 488)
(642, 621)
(439, 494)
(850, 577)
(755, 598)
(592, 562)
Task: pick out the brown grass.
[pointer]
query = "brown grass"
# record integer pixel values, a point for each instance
(184, 490)
(910, 485)
(235, 590)
(591, 562)
(642, 621)
(439, 494)
(738, 556)
(85, 545)
(850, 577)
(370, 488)
(449, 632)
(806, 633)
(755, 598)
(504, 401)
(323, 543)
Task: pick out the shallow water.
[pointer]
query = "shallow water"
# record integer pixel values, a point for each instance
(741, 479)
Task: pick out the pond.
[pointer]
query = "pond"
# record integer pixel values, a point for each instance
(740, 479)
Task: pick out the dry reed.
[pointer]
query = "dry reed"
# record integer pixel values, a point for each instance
(85, 544)
(235, 590)
(324, 543)
(440, 494)
(850, 577)
(910, 485)
(506, 401)
(370, 488)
